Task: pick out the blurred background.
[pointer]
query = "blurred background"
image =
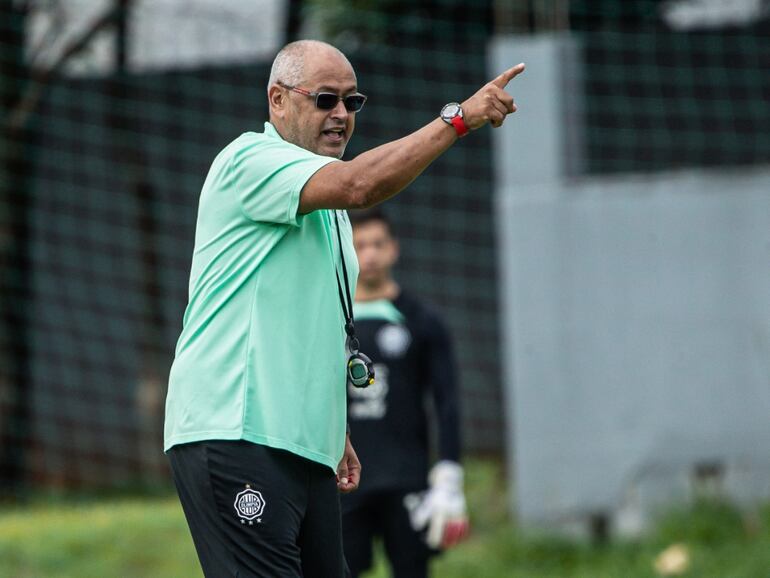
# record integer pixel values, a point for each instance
(603, 260)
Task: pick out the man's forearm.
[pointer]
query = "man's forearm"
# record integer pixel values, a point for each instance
(377, 174)
(389, 168)
(382, 172)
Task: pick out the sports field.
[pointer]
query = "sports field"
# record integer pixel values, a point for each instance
(147, 538)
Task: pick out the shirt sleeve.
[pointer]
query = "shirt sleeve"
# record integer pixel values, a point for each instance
(268, 176)
(442, 377)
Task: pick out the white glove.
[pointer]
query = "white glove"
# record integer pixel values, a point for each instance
(442, 507)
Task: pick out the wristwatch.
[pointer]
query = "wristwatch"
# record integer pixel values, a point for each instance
(452, 114)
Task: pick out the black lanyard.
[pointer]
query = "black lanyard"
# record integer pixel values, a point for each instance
(347, 308)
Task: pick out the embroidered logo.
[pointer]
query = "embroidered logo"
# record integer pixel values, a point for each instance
(249, 505)
(393, 340)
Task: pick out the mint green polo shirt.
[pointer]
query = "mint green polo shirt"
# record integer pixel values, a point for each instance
(261, 356)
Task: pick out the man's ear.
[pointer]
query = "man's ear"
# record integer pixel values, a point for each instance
(396, 250)
(276, 100)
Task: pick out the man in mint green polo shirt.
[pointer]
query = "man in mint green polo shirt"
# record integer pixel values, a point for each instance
(255, 415)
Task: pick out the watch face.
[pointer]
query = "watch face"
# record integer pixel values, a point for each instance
(450, 110)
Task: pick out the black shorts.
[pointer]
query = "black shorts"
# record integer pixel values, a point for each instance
(256, 512)
(382, 514)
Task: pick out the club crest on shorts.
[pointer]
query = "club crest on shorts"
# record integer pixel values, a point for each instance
(249, 505)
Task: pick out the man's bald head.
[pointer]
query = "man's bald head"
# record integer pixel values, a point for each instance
(289, 65)
(302, 68)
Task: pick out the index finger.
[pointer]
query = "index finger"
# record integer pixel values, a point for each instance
(508, 75)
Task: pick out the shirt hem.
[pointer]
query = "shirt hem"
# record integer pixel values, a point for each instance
(257, 439)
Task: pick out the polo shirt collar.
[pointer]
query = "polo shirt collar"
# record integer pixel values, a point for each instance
(271, 131)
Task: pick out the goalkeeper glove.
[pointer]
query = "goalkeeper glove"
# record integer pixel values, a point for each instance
(441, 508)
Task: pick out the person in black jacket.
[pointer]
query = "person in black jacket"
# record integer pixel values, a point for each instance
(416, 511)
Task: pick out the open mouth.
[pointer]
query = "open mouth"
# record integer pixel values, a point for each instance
(334, 134)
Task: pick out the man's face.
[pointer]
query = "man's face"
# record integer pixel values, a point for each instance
(377, 252)
(324, 132)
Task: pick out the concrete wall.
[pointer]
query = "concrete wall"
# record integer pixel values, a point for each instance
(636, 320)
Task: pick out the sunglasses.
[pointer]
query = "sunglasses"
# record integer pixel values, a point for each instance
(329, 100)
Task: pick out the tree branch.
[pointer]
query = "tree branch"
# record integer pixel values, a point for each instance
(19, 115)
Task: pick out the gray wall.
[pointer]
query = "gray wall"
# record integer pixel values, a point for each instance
(636, 320)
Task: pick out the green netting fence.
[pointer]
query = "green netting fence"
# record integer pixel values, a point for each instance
(100, 181)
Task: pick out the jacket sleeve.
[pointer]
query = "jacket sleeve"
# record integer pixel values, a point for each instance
(443, 387)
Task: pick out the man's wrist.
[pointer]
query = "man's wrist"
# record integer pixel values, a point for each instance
(452, 114)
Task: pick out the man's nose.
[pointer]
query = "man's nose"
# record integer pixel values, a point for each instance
(340, 111)
(366, 255)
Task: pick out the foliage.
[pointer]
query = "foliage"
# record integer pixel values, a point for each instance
(350, 23)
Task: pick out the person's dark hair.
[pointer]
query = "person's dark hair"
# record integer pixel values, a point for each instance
(363, 216)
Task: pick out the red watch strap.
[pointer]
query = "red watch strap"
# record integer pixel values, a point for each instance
(460, 127)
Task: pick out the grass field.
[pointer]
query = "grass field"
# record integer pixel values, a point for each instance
(148, 538)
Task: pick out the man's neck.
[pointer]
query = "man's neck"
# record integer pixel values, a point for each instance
(387, 290)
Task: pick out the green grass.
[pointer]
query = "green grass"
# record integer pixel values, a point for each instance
(148, 538)
(115, 539)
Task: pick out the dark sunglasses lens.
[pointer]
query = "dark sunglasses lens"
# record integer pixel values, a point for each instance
(354, 102)
(326, 100)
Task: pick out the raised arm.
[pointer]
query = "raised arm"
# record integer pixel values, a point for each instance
(382, 172)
